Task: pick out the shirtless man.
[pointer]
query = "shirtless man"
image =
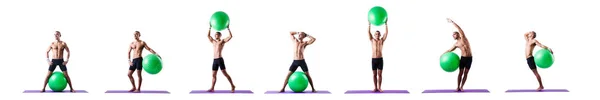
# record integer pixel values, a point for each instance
(300, 45)
(136, 63)
(58, 47)
(466, 58)
(531, 42)
(218, 62)
(377, 62)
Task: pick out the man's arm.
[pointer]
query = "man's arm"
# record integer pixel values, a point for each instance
(452, 49)
(68, 52)
(230, 36)
(129, 53)
(48, 52)
(543, 46)
(527, 36)
(292, 36)
(370, 34)
(460, 31)
(149, 49)
(386, 32)
(312, 39)
(210, 38)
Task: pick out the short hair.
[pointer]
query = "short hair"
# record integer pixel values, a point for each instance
(218, 33)
(58, 33)
(455, 32)
(534, 34)
(377, 31)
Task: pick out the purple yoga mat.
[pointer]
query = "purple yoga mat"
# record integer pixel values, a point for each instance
(305, 92)
(534, 90)
(50, 91)
(221, 92)
(142, 91)
(371, 92)
(454, 91)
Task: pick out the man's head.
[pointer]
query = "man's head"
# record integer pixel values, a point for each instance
(218, 35)
(455, 36)
(302, 35)
(532, 34)
(137, 35)
(57, 35)
(377, 34)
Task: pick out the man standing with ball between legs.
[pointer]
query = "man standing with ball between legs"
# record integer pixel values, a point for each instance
(218, 61)
(58, 47)
(531, 42)
(299, 61)
(377, 59)
(136, 63)
(466, 58)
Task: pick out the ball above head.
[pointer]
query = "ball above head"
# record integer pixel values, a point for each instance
(152, 64)
(219, 20)
(377, 16)
(449, 61)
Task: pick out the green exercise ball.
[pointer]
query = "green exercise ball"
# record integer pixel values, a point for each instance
(57, 82)
(219, 20)
(544, 58)
(152, 64)
(449, 61)
(377, 16)
(298, 82)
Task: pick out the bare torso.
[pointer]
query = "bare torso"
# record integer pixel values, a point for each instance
(58, 49)
(299, 50)
(530, 44)
(377, 46)
(465, 47)
(138, 47)
(218, 48)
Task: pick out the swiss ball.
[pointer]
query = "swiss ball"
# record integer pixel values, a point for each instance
(57, 82)
(377, 16)
(298, 82)
(449, 61)
(219, 20)
(543, 58)
(152, 64)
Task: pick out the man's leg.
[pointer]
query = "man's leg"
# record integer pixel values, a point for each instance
(130, 75)
(379, 73)
(464, 80)
(228, 78)
(46, 80)
(287, 77)
(214, 81)
(69, 81)
(375, 80)
(460, 73)
(139, 73)
(304, 67)
(539, 79)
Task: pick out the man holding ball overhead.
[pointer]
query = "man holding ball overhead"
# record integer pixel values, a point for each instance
(58, 47)
(466, 58)
(137, 47)
(299, 47)
(377, 61)
(218, 62)
(531, 42)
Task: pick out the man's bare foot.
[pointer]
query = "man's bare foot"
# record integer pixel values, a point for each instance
(375, 90)
(43, 90)
(380, 90)
(313, 90)
(461, 89)
(72, 90)
(458, 90)
(133, 89)
(232, 89)
(282, 90)
(210, 90)
(136, 91)
(540, 88)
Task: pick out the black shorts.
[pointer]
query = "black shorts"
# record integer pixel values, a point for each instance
(465, 62)
(531, 63)
(137, 64)
(377, 64)
(218, 63)
(299, 63)
(59, 63)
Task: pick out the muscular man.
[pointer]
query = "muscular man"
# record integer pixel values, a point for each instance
(299, 47)
(218, 62)
(531, 42)
(377, 62)
(136, 63)
(466, 58)
(58, 47)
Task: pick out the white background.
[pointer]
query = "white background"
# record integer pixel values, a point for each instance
(260, 53)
